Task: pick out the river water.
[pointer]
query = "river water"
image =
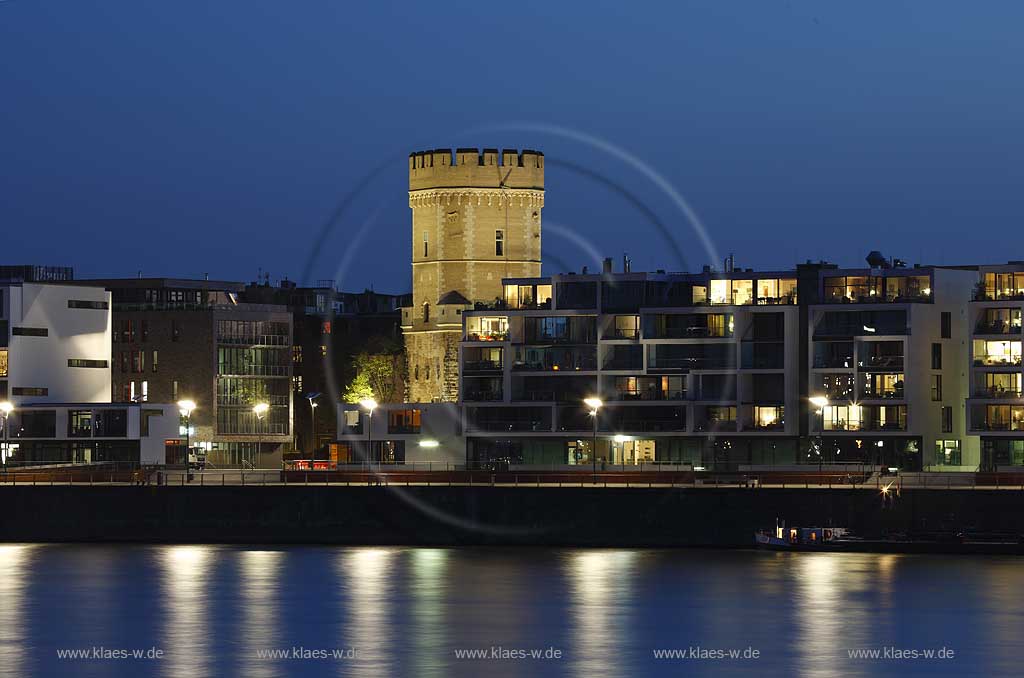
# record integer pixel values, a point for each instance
(225, 610)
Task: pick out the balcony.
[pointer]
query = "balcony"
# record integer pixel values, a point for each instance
(996, 392)
(882, 363)
(481, 395)
(486, 336)
(651, 395)
(996, 327)
(997, 361)
(715, 426)
(556, 360)
(482, 366)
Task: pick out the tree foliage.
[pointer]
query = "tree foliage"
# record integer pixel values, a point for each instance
(376, 376)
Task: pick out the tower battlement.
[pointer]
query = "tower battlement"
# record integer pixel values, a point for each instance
(473, 168)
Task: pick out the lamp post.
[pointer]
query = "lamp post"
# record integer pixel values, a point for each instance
(186, 407)
(821, 402)
(369, 404)
(5, 409)
(260, 410)
(311, 397)
(594, 403)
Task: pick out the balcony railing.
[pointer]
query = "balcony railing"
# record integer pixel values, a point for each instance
(694, 363)
(996, 327)
(984, 293)
(648, 395)
(481, 395)
(715, 425)
(882, 362)
(997, 361)
(486, 336)
(620, 333)
(996, 392)
(510, 425)
(883, 394)
(998, 426)
(481, 366)
(695, 332)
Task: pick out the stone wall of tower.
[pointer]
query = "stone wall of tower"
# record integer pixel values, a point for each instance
(476, 218)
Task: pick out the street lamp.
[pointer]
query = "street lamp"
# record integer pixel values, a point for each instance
(5, 409)
(311, 397)
(186, 407)
(369, 404)
(260, 410)
(594, 403)
(821, 402)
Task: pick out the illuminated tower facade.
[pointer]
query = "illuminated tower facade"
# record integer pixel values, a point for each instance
(475, 220)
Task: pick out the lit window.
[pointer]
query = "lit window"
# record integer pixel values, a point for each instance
(325, 327)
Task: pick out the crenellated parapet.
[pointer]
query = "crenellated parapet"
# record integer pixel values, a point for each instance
(473, 168)
(476, 196)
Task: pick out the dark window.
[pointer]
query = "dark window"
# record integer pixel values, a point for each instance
(175, 331)
(936, 387)
(154, 359)
(936, 356)
(947, 419)
(97, 305)
(110, 423)
(426, 312)
(499, 243)
(29, 391)
(30, 331)
(947, 324)
(124, 361)
(81, 362)
(35, 424)
(145, 329)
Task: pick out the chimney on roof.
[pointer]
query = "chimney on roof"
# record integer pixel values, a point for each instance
(625, 263)
(607, 267)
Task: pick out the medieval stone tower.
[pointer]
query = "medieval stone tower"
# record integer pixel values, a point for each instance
(475, 220)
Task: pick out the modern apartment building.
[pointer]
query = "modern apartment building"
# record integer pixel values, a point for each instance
(889, 352)
(179, 339)
(54, 343)
(93, 433)
(995, 407)
(689, 369)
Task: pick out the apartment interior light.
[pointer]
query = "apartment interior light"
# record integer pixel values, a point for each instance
(869, 329)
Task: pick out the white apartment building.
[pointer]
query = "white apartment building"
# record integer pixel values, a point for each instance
(54, 343)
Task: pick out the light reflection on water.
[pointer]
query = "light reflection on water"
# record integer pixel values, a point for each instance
(406, 611)
(184, 575)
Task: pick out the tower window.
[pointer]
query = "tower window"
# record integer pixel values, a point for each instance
(499, 243)
(426, 245)
(426, 312)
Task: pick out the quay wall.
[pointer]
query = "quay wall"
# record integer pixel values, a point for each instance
(621, 517)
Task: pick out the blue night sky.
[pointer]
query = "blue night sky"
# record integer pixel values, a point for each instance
(188, 137)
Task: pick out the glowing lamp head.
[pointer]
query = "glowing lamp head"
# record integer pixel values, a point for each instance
(821, 402)
(429, 443)
(186, 407)
(6, 407)
(593, 403)
(259, 409)
(368, 404)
